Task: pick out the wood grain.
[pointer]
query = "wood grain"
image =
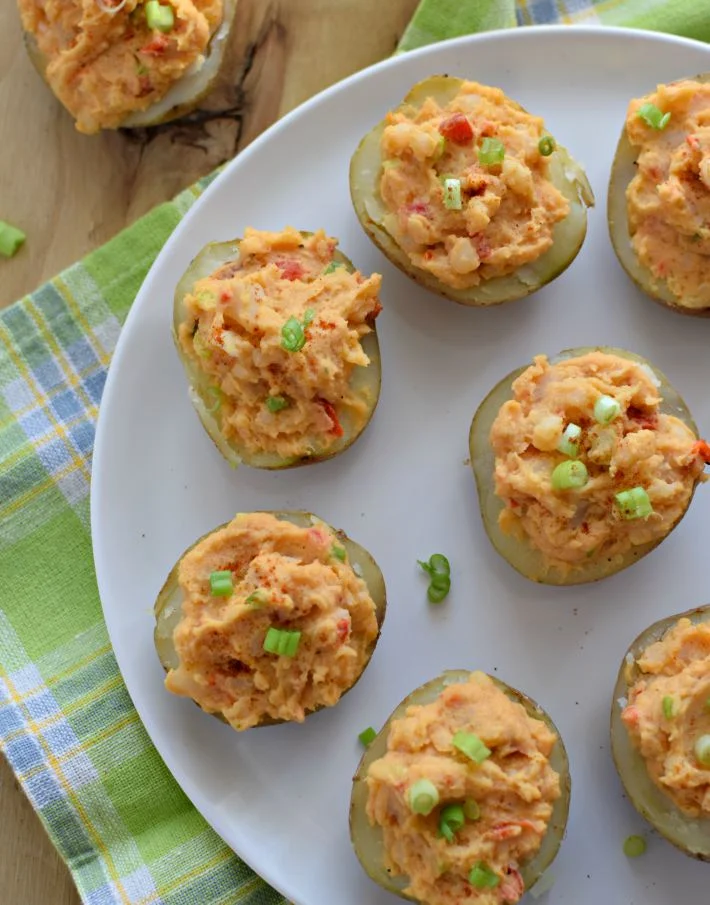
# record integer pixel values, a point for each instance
(72, 192)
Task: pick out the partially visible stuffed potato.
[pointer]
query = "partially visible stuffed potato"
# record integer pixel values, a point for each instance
(558, 448)
(269, 618)
(127, 63)
(659, 195)
(277, 335)
(468, 194)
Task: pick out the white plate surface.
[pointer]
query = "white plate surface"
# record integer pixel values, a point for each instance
(279, 796)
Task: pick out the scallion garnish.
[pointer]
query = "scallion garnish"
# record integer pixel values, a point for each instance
(338, 552)
(668, 705)
(452, 194)
(11, 239)
(482, 877)
(423, 797)
(367, 736)
(159, 16)
(702, 750)
(332, 267)
(570, 474)
(634, 503)
(293, 338)
(439, 571)
(653, 117)
(471, 809)
(546, 145)
(492, 151)
(308, 316)
(606, 409)
(472, 746)
(282, 642)
(451, 819)
(569, 441)
(221, 584)
(276, 403)
(634, 846)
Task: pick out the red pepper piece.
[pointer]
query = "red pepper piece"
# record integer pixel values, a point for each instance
(457, 129)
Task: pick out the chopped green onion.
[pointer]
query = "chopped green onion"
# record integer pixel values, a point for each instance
(606, 408)
(221, 584)
(668, 705)
(492, 151)
(440, 571)
(257, 599)
(452, 194)
(634, 503)
(308, 316)
(11, 239)
(702, 750)
(438, 589)
(451, 819)
(440, 148)
(276, 403)
(159, 16)
(569, 441)
(569, 474)
(482, 877)
(281, 642)
(634, 846)
(546, 145)
(653, 117)
(332, 267)
(471, 809)
(423, 797)
(338, 552)
(293, 339)
(472, 746)
(367, 736)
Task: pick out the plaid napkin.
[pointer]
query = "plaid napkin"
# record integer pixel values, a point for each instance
(67, 724)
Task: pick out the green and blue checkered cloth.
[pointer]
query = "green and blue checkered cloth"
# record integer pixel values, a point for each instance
(67, 725)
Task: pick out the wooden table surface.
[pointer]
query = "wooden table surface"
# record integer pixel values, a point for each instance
(71, 192)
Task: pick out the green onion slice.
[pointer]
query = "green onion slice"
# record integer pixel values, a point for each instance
(634, 846)
(11, 239)
(293, 339)
(281, 642)
(333, 266)
(338, 552)
(276, 403)
(702, 750)
(668, 705)
(482, 877)
(438, 564)
(439, 569)
(221, 584)
(438, 589)
(452, 194)
(570, 474)
(472, 746)
(634, 503)
(451, 819)
(653, 117)
(606, 409)
(471, 809)
(569, 441)
(546, 145)
(423, 797)
(308, 316)
(367, 736)
(492, 151)
(159, 16)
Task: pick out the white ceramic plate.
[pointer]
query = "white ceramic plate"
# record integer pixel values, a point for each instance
(279, 796)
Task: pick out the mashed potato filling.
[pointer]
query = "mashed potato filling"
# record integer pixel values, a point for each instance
(668, 200)
(508, 208)
(641, 447)
(667, 712)
(274, 397)
(284, 576)
(105, 65)
(514, 788)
